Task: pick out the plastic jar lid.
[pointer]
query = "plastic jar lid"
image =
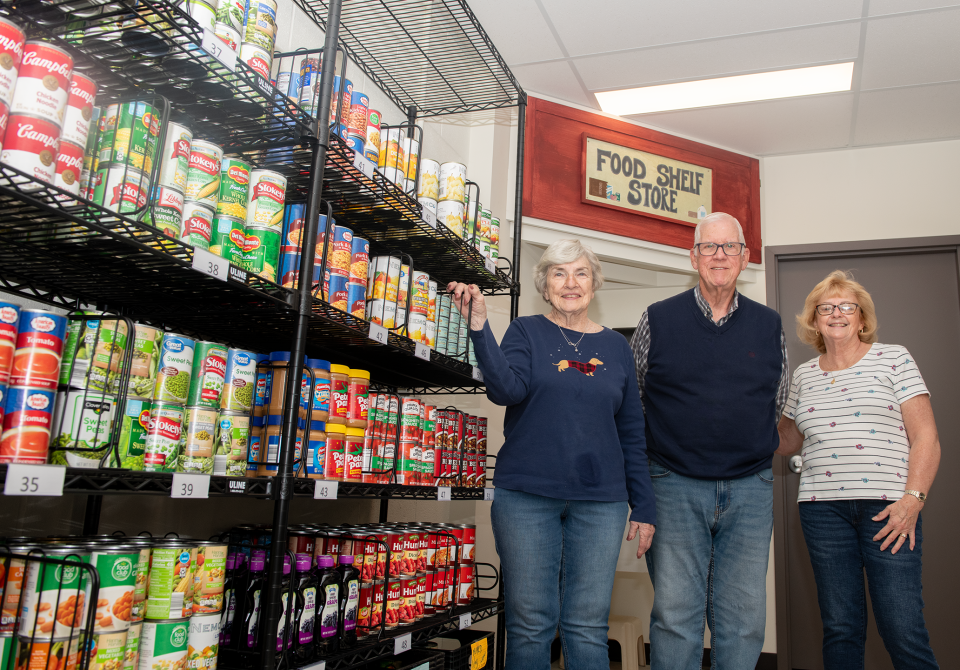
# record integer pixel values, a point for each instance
(354, 432)
(359, 374)
(318, 364)
(279, 356)
(339, 369)
(337, 428)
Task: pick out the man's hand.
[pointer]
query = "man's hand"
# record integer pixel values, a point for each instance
(646, 531)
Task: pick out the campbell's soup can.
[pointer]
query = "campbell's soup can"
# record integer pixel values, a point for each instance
(69, 168)
(259, 60)
(162, 443)
(43, 83)
(429, 184)
(265, 200)
(4, 117)
(11, 53)
(175, 158)
(196, 229)
(31, 145)
(26, 425)
(80, 103)
(166, 211)
(203, 173)
(36, 361)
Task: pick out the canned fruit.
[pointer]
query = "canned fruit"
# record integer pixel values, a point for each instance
(162, 443)
(266, 198)
(450, 214)
(175, 367)
(234, 187)
(451, 178)
(203, 174)
(429, 184)
(31, 145)
(175, 159)
(43, 82)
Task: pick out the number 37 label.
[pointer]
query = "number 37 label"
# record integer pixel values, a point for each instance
(34, 480)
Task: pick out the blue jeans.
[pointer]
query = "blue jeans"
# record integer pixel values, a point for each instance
(708, 563)
(839, 535)
(558, 559)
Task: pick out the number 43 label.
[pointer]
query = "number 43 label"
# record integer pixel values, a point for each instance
(210, 264)
(190, 486)
(34, 480)
(325, 490)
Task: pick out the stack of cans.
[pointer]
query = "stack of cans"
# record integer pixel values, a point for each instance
(452, 335)
(167, 202)
(346, 272)
(264, 223)
(259, 36)
(388, 283)
(201, 192)
(124, 153)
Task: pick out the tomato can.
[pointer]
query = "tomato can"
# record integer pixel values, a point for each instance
(137, 135)
(162, 442)
(166, 211)
(259, 60)
(408, 604)
(131, 651)
(450, 214)
(240, 381)
(44, 654)
(107, 650)
(11, 54)
(80, 103)
(411, 553)
(53, 600)
(365, 610)
(196, 229)
(26, 425)
(261, 252)
(117, 570)
(175, 158)
(36, 360)
(31, 144)
(234, 187)
(163, 644)
(43, 82)
(203, 172)
(175, 367)
(266, 198)
(394, 602)
(209, 577)
(199, 431)
(429, 184)
(171, 585)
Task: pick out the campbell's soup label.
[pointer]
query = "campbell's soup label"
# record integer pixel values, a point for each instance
(26, 425)
(69, 167)
(31, 145)
(36, 361)
(76, 123)
(11, 53)
(43, 85)
(9, 325)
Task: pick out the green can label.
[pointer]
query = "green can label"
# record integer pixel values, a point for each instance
(131, 651)
(107, 129)
(108, 651)
(146, 360)
(197, 225)
(140, 589)
(75, 351)
(137, 134)
(118, 576)
(208, 374)
(234, 187)
(266, 199)
(57, 590)
(261, 252)
(163, 644)
(133, 435)
(171, 584)
(209, 579)
(87, 422)
(228, 238)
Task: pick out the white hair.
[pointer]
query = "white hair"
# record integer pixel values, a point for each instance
(712, 218)
(562, 252)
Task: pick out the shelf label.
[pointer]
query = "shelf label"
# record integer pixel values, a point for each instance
(322, 665)
(466, 620)
(34, 480)
(402, 643)
(325, 490)
(217, 48)
(363, 164)
(210, 264)
(237, 486)
(488, 494)
(377, 333)
(477, 374)
(443, 493)
(238, 275)
(429, 217)
(490, 265)
(478, 654)
(422, 351)
(190, 486)
(265, 87)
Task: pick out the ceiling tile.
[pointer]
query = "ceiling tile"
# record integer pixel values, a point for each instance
(715, 58)
(518, 29)
(916, 49)
(880, 7)
(908, 115)
(554, 79)
(763, 128)
(612, 25)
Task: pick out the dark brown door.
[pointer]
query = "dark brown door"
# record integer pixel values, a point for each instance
(914, 284)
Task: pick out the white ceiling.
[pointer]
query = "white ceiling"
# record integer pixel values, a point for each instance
(906, 81)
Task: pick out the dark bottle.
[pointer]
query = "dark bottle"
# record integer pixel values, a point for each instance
(349, 600)
(229, 601)
(304, 646)
(287, 610)
(255, 585)
(328, 606)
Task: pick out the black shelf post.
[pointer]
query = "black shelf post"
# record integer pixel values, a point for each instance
(518, 209)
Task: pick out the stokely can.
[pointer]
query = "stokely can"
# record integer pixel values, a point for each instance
(26, 425)
(234, 187)
(240, 381)
(31, 145)
(199, 430)
(121, 188)
(69, 167)
(43, 83)
(175, 158)
(137, 135)
(131, 651)
(163, 644)
(452, 177)
(175, 367)
(166, 211)
(266, 198)
(429, 184)
(261, 252)
(209, 578)
(208, 374)
(107, 650)
(172, 570)
(197, 227)
(162, 443)
(228, 238)
(36, 361)
(43, 654)
(450, 214)
(11, 53)
(257, 58)
(203, 173)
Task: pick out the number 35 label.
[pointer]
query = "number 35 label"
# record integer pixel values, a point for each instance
(190, 486)
(34, 480)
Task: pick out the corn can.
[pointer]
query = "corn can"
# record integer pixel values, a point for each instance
(137, 134)
(234, 185)
(261, 252)
(228, 238)
(266, 198)
(203, 173)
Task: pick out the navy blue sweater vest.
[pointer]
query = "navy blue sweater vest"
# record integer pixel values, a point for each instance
(710, 391)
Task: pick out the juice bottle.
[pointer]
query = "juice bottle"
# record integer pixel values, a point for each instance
(328, 606)
(287, 610)
(229, 600)
(349, 600)
(251, 614)
(304, 646)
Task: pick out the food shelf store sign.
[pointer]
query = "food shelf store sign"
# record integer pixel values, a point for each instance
(637, 181)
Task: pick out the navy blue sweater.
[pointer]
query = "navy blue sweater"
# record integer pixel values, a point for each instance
(710, 391)
(574, 426)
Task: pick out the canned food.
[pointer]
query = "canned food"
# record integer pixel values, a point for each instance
(261, 252)
(86, 419)
(429, 184)
(171, 589)
(260, 27)
(336, 293)
(175, 159)
(36, 360)
(105, 341)
(76, 122)
(209, 579)
(452, 177)
(394, 602)
(175, 367)
(199, 430)
(131, 650)
(135, 423)
(231, 13)
(26, 425)
(358, 115)
(11, 53)
(53, 600)
(228, 238)
(266, 198)
(147, 350)
(411, 149)
(162, 443)
(450, 214)
(356, 299)
(121, 188)
(208, 374)
(226, 33)
(240, 381)
(117, 569)
(43, 654)
(234, 187)
(196, 229)
(203, 13)
(203, 643)
(166, 211)
(30, 145)
(259, 60)
(107, 651)
(233, 434)
(466, 587)
(137, 134)
(203, 173)
(163, 644)
(43, 82)
(483, 225)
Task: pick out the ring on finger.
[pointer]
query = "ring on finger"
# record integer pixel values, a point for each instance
(903, 536)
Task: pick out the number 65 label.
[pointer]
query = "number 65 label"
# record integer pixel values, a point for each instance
(34, 480)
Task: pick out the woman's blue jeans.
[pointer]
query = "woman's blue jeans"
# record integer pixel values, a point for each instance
(558, 559)
(839, 535)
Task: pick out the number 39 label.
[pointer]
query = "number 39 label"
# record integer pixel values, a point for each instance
(190, 486)
(34, 480)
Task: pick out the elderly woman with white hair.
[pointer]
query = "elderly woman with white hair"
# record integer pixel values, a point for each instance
(574, 455)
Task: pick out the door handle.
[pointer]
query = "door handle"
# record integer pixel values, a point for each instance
(796, 463)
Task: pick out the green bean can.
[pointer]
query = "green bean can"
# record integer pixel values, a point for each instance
(147, 344)
(228, 238)
(234, 186)
(261, 252)
(134, 424)
(207, 375)
(137, 134)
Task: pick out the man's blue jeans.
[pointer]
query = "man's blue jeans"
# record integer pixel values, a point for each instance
(558, 559)
(708, 563)
(839, 535)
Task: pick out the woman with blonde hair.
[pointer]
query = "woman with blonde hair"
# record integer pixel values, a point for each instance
(862, 416)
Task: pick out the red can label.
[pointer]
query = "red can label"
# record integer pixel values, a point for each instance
(358, 399)
(69, 167)
(204, 163)
(411, 554)
(364, 609)
(43, 84)
(394, 600)
(9, 320)
(11, 53)
(396, 542)
(339, 398)
(466, 590)
(76, 123)
(408, 605)
(36, 362)
(196, 225)
(31, 145)
(26, 425)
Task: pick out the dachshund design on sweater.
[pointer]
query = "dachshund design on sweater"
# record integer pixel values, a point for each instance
(585, 368)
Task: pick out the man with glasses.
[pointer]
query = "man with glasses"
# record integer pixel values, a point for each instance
(713, 376)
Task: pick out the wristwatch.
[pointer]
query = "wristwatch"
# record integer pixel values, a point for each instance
(922, 497)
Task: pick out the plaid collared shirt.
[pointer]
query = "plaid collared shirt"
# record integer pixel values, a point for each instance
(640, 343)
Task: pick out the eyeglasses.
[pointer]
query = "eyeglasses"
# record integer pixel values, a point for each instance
(710, 249)
(848, 308)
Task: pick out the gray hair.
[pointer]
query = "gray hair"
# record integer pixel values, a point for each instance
(562, 252)
(711, 218)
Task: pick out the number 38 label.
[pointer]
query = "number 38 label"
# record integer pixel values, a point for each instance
(190, 486)
(210, 264)
(34, 480)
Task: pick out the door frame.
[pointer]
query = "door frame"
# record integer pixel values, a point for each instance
(771, 259)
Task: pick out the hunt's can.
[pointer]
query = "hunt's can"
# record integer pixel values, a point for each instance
(164, 433)
(209, 578)
(231, 13)
(85, 422)
(107, 650)
(170, 593)
(138, 131)
(260, 26)
(234, 187)
(266, 198)
(175, 367)
(240, 381)
(166, 211)
(163, 644)
(429, 184)
(233, 435)
(135, 422)
(450, 214)
(26, 425)
(207, 375)
(36, 360)
(197, 225)
(76, 122)
(11, 54)
(203, 173)
(43, 82)
(259, 59)
(175, 158)
(261, 252)
(452, 178)
(131, 651)
(31, 144)
(228, 238)
(69, 168)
